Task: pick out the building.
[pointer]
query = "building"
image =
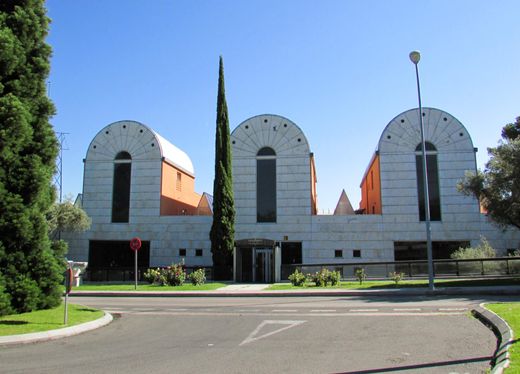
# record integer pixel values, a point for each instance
(138, 184)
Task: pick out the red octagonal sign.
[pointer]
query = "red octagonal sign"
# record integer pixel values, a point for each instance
(135, 244)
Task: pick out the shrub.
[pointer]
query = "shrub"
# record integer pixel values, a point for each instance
(483, 250)
(155, 276)
(297, 278)
(360, 275)
(198, 277)
(321, 278)
(334, 278)
(396, 276)
(175, 275)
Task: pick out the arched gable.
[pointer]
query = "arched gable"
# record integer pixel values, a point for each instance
(268, 130)
(140, 141)
(445, 132)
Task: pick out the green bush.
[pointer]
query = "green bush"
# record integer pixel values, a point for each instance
(324, 277)
(320, 278)
(175, 275)
(396, 277)
(155, 276)
(360, 275)
(483, 250)
(297, 278)
(334, 278)
(198, 277)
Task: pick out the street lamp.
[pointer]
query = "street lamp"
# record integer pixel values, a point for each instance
(415, 57)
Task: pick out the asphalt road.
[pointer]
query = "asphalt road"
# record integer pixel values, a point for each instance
(268, 335)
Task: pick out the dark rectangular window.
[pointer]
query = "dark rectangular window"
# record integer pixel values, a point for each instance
(266, 190)
(433, 187)
(182, 252)
(116, 254)
(356, 253)
(198, 252)
(338, 253)
(408, 251)
(121, 192)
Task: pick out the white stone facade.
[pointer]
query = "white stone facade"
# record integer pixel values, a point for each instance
(372, 236)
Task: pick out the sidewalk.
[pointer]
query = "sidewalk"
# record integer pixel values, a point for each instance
(259, 290)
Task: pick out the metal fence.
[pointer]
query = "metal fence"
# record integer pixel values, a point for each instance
(500, 266)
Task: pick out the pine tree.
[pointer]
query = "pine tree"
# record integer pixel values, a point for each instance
(222, 230)
(30, 270)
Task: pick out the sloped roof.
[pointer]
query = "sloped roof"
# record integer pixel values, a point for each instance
(344, 207)
(174, 154)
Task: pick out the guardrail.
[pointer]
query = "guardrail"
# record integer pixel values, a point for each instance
(449, 268)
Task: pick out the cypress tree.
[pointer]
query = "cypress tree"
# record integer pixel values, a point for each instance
(30, 270)
(222, 230)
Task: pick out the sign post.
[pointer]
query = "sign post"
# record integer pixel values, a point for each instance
(69, 278)
(135, 245)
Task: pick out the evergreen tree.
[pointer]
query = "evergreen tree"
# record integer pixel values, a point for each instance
(30, 270)
(222, 230)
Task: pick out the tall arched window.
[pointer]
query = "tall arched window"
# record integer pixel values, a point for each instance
(266, 185)
(433, 182)
(121, 187)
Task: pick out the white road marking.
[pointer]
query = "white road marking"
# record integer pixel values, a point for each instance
(254, 335)
(323, 310)
(407, 309)
(363, 310)
(248, 310)
(452, 309)
(284, 310)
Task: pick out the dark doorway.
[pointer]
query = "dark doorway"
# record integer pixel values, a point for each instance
(291, 255)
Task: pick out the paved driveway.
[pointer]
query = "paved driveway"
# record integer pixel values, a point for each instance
(268, 335)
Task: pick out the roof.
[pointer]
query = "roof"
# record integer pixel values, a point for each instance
(174, 155)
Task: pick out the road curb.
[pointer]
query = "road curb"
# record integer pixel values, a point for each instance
(399, 292)
(56, 334)
(503, 333)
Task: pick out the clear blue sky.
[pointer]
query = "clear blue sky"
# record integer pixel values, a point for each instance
(338, 69)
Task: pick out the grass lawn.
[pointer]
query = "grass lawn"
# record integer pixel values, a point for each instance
(49, 319)
(147, 287)
(385, 284)
(510, 312)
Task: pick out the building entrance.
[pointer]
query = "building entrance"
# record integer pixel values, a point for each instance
(255, 261)
(263, 265)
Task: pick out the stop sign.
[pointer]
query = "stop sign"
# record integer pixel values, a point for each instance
(135, 244)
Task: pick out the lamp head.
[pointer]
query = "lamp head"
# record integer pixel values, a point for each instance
(415, 57)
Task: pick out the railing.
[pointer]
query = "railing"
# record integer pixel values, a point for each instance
(124, 274)
(500, 266)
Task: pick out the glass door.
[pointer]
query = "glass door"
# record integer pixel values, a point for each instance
(263, 265)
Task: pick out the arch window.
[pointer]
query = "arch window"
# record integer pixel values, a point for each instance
(121, 187)
(266, 185)
(433, 182)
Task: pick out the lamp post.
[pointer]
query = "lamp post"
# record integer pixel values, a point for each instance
(415, 57)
